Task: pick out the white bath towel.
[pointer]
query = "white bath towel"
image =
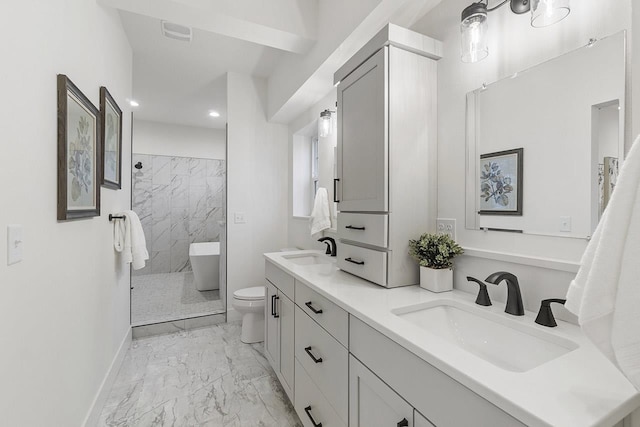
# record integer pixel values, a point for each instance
(320, 216)
(128, 239)
(605, 295)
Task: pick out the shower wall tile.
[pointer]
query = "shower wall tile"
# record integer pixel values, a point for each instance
(197, 229)
(179, 201)
(161, 170)
(161, 233)
(179, 191)
(198, 201)
(160, 262)
(179, 166)
(180, 256)
(197, 171)
(215, 168)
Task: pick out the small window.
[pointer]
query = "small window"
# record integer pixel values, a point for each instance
(314, 168)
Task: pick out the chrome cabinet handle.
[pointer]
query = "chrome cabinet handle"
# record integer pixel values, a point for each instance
(335, 190)
(354, 261)
(275, 306)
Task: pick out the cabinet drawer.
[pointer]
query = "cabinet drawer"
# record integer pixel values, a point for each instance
(282, 280)
(426, 388)
(325, 360)
(311, 404)
(328, 315)
(370, 229)
(363, 262)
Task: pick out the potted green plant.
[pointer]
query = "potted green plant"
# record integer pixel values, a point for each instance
(435, 253)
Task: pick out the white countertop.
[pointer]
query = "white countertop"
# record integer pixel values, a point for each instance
(579, 389)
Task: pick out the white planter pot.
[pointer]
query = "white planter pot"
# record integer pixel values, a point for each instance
(436, 280)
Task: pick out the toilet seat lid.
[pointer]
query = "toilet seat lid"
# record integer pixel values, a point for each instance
(255, 293)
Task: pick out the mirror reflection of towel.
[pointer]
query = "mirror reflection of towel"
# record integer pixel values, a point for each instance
(605, 293)
(320, 216)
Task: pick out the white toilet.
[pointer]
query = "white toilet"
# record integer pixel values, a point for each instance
(250, 303)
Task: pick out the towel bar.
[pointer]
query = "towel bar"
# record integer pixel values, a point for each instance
(112, 217)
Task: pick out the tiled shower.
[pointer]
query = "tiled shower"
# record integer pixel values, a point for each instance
(180, 200)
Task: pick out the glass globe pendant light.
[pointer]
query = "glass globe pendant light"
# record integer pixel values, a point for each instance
(473, 29)
(548, 12)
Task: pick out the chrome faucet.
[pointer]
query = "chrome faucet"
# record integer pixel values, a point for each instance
(331, 245)
(514, 298)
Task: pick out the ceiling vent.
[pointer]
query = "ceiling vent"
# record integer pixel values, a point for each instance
(176, 31)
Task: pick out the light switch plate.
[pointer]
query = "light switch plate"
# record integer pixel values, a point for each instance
(14, 244)
(446, 226)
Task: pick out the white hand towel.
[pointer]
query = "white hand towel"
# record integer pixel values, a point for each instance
(320, 216)
(128, 239)
(605, 295)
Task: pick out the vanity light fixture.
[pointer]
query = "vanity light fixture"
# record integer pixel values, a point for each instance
(473, 25)
(325, 125)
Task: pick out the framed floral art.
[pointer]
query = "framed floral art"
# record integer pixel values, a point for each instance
(79, 153)
(111, 136)
(501, 182)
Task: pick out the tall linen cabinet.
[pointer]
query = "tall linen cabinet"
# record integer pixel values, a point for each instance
(386, 183)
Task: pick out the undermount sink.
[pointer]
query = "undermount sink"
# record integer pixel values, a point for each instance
(499, 341)
(308, 259)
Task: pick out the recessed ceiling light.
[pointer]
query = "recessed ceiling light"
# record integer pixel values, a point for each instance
(214, 113)
(134, 103)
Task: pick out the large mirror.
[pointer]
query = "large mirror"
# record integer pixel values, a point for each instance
(544, 145)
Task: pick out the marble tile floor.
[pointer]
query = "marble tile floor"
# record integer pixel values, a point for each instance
(170, 296)
(203, 377)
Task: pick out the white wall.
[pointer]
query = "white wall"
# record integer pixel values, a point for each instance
(514, 46)
(65, 307)
(167, 139)
(299, 234)
(257, 171)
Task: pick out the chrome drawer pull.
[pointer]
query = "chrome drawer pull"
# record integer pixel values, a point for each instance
(354, 261)
(315, 310)
(308, 411)
(317, 360)
(353, 227)
(275, 307)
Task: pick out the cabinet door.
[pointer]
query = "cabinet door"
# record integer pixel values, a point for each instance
(420, 421)
(287, 350)
(363, 162)
(372, 403)
(272, 327)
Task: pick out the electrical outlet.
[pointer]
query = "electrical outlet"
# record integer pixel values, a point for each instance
(14, 244)
(446, 226)
(239, 218)
(565, 223)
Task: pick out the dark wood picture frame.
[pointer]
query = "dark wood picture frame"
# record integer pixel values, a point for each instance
(67, 89)
(107, 100)
(519, 161)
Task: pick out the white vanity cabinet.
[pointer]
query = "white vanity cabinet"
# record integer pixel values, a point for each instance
(387, 155)
(410, 380)
(372, 402)
(279, 326)
(322, 360)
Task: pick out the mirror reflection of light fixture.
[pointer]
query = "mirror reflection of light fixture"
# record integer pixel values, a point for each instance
(473, 23)
(325, 125)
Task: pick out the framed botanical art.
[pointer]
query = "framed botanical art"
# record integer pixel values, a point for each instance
(111, 136)
(501, 182)
(79, 153)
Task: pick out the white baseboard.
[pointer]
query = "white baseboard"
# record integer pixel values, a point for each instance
(233, 315)
(103, 392)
